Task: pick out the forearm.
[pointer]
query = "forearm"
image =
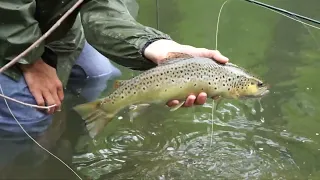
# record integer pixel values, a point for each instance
(19, 31)
(111, 29)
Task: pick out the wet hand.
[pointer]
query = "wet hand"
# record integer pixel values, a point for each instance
(158, 50)
(44, 84)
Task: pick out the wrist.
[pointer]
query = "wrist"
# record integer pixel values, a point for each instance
(25, 67)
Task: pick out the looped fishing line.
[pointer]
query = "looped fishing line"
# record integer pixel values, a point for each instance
(5, 100)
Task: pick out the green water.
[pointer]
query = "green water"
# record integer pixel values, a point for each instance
(278, 139)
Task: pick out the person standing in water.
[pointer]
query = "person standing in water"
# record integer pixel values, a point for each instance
(77, 48)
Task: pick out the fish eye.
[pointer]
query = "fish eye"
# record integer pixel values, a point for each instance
(260, 84)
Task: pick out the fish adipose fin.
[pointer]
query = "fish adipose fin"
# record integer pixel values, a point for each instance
(95, 118)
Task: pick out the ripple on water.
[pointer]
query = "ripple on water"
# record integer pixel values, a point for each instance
(241, 149)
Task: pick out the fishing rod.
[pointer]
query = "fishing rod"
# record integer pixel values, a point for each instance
(283, 11)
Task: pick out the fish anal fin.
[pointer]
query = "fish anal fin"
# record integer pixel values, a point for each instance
(174, 108)
(136, 110)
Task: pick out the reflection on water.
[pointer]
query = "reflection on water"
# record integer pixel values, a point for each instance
(278, 139)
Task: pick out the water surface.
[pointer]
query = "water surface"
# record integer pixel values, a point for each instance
(277, 139)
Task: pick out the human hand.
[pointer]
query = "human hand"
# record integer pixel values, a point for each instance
(158, 51)
(44, 84)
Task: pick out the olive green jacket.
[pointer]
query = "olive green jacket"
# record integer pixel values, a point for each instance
(107, 25)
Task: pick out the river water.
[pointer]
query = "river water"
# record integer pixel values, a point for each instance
(276, 138)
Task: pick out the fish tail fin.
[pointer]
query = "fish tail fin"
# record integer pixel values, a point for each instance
(95, 118)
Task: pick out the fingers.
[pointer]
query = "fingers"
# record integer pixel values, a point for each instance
(191, 100)
(38, 97)
(213, 54)
(202, 98)
(56, 100)
(60, 90)
(219, 57)
(48, 97)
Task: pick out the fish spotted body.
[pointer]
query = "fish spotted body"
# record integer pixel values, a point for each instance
(175, 78)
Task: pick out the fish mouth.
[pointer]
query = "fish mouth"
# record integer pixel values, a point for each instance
(261, 93)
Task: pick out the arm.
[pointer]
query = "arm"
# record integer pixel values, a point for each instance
(110, 28)
(18, 30)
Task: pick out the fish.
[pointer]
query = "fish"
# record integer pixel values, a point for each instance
(176, 77)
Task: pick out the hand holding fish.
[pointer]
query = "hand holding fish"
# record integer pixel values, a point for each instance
(159, 50)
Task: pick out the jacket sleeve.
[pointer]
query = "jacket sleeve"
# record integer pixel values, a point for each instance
(18, 30)
(109, 27)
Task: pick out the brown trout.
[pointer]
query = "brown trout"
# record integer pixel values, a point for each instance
(176, 77)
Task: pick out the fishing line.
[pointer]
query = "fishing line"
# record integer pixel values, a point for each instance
(35, 44)
(297, 20)
(282, 11)
(5, 100)
(27, 104)
(213, 109)
(311, 34)
(217, 29)
(157, 14)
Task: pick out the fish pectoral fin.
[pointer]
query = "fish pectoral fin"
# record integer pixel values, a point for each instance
(95, 118)
(234, 94)
(173, 108)
(136, 110)
(216, 102)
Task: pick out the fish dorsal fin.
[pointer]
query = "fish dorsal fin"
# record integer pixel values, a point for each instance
(244, 70)
(118, 83)
(173, 57)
